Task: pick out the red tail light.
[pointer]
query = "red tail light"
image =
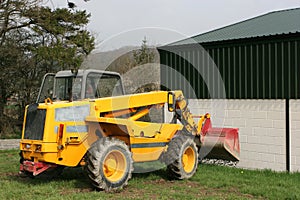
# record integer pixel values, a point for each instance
(61, 130)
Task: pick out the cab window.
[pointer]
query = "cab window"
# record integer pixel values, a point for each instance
(103, 85)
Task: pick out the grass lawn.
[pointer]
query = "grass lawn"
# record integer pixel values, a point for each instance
(210, 182)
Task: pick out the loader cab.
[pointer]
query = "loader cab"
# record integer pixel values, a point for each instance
(82, 84)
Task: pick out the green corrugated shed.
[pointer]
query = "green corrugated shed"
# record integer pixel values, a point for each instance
(257, 59)
(270, 24)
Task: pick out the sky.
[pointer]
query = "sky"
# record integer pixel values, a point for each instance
(117, 23)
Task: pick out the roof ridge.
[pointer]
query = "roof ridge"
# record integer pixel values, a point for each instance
(240, 22)
(284, 10)
(278, 22)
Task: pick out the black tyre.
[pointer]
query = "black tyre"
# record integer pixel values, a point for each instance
(181, 157)
(109, 164)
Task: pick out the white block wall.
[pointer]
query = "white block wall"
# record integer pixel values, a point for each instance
(295, 134)
(261, 126)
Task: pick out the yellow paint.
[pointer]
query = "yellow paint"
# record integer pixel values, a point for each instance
(114, 165)
(188, 159)
(146, 140)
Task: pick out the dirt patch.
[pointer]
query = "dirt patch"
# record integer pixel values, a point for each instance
(77, 190)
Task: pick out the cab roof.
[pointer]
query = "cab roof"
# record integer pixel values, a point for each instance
(68, 73)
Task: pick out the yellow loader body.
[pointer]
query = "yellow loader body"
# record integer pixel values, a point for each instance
(105, 130)
(65, 140)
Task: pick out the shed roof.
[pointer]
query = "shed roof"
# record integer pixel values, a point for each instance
(273, 23)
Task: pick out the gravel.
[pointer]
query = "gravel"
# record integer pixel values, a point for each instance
(219, 162)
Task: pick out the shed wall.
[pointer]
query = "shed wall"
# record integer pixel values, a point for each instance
(295, 134)
(260, 77)
(261, 126)
(262, 68)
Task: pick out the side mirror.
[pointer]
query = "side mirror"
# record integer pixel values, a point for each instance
(171, 102)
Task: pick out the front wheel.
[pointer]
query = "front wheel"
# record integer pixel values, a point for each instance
(109, 164)
(181, 157)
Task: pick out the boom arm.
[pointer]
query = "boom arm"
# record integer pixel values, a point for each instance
(129, 104)
(179, 106)
(221, 142)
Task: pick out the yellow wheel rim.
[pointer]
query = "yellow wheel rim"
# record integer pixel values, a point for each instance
(114, 166)
(188, 159)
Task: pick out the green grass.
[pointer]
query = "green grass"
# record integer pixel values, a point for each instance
(210, 182)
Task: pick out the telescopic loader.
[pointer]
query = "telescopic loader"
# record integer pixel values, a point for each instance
(83, 118)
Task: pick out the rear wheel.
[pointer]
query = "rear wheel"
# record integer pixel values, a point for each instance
(181, 157)
(109, 164)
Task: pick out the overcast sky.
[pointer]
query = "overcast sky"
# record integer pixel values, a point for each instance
(125, 22)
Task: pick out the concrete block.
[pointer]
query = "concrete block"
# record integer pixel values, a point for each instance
(295, 105)
(243, 138)
(276, 132)
(247, 147)
(276, 141)
(295, 142)
(295, 133)
(260, 131)
(279, 124)
(234, 113)
(279, 141)
(254, 156)
(275, 115)
(277, 105)
(239, 122)
(229, 123)
(253, 123)
(253, 139)
(261, 148)
(279, 150)
(247, 114)
(274, 149)
(293, 160)
(280, 159)
(260, 115)
(295, 125)
(278, 167)
(258, 123)
(265, 140)
(298, 160)
(246, 164)
(264, 165)
(266, 157)
(295, 116)
(295, 152)
(245, 130)
(266, 123)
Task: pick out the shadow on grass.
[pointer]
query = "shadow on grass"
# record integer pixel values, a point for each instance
(78, 179)
(75, 175)
(150, 169)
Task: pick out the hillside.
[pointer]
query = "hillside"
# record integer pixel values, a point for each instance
(121, 60)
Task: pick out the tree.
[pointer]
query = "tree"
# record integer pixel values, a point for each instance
(35, 40)
(134, 58)
(143, 55)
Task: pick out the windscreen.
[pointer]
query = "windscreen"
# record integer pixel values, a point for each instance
(103, 85)
(67, 88)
